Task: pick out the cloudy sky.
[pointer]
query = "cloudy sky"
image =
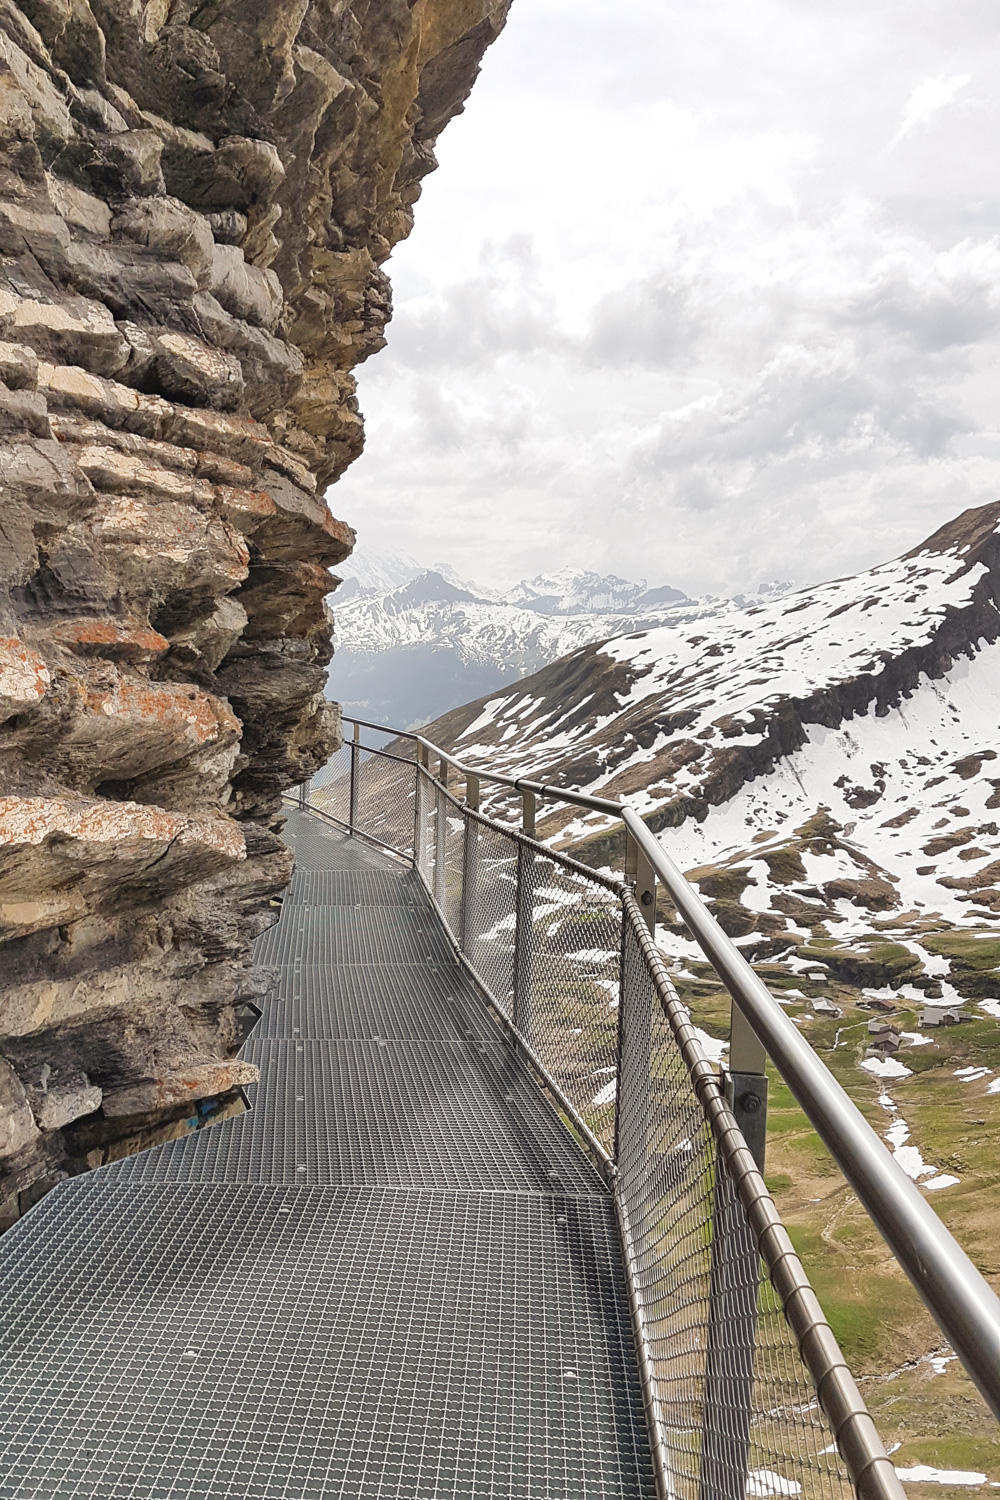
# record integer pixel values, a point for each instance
(703, 294)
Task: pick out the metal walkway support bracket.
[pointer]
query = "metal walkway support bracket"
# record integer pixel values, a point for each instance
(639, 873)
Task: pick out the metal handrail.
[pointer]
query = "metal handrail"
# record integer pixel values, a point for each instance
(955, 1292)
(871, 1469)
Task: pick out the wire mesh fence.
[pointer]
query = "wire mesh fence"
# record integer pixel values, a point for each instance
(371, 792)
(385, 794)
(330, 789)
(563, 953)
(736, 1409)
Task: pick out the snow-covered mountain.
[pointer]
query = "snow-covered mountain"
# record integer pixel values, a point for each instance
(370, 573)
(828, 760)
(413, 643)
(570, 592)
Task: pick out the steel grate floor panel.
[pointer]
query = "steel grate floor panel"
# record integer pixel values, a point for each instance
(319, 845)
(260, 1342)
(362, 887)
(406, 1114)
(397, 1002)
(434, 1306)
(331, 935)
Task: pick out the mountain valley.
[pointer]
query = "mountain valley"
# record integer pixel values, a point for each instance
(413, 642)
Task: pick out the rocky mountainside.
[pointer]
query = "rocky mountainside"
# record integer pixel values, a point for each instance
(196, 204)
(413, 643)
(683, 720)
(828, 759)
(826, 767)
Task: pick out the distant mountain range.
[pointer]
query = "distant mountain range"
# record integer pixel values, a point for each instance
(414, 642)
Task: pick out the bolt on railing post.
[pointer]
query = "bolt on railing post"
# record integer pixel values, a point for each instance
(734, 1280)
(352, 818)
(440, 833)
(524, 925)
(470, 866)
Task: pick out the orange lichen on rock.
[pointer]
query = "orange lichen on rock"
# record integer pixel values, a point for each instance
(24, 677)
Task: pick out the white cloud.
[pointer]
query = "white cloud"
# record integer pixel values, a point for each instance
(927, 100)
(667, 313)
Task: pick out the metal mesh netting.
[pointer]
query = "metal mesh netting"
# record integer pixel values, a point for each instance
(426, 824)
(455, 834)
(385, 799)
(491, 909)
(370, 791)
(568, 969)
(736, 1408)
(330, 788)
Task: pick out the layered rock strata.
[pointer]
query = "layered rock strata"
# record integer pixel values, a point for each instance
(196, 202)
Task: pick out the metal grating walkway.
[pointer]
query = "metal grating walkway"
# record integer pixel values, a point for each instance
(397, 1276)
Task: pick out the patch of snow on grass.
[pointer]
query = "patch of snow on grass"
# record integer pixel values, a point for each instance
(924, 1474)
(712, 1048)
(912, 1162)
(885, 1067)
(764, 1482)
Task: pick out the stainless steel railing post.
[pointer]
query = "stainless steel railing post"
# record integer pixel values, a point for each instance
(470, 868)
(734, 1280)
(441, 833)
(422, 773)
(634, 1042)
(524, 926)
(733, 1284)
(352, 821)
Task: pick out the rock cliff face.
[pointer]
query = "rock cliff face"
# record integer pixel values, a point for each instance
(196, 200)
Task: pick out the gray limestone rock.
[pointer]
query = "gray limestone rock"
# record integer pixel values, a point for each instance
(194, 208)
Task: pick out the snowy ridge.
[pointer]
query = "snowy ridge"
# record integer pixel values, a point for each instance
(413, 642)
(520, 632)
(680, 718)
(826, 766)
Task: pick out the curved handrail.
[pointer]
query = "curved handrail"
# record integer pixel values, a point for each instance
(958, 1296)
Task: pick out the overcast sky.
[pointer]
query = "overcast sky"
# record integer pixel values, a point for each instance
(704, 294)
